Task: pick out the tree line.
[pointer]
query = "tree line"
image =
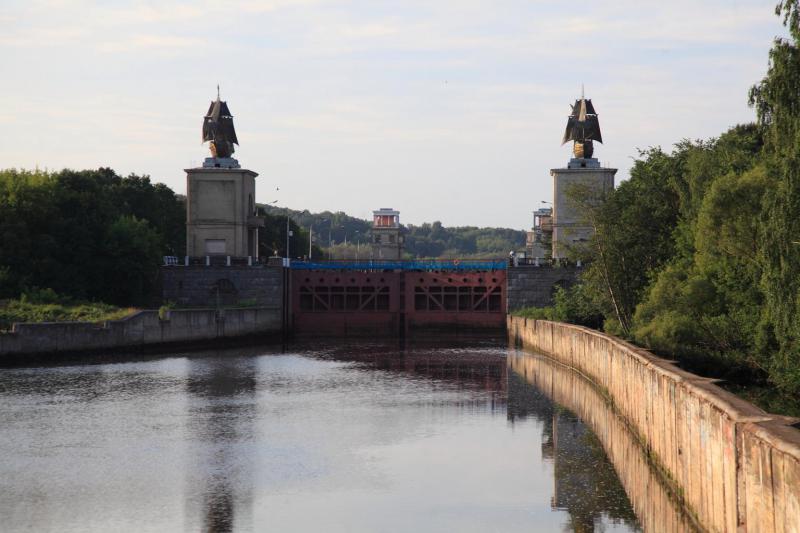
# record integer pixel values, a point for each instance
(427, 240)
(93, 235)
(697, 255)
(88, 235)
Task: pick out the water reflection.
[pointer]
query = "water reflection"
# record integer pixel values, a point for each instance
(470, 367)
(585, 483)
(583, 433)
(221, 409)
(322, 437)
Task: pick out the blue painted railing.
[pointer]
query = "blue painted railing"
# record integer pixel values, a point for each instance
(432, 264)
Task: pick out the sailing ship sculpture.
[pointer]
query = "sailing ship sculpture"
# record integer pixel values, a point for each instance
(218, 129)
(583, 128)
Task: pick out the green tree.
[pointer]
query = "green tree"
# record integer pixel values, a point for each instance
(54, 229)
(777, 102)
(633, 228)
(130, 262)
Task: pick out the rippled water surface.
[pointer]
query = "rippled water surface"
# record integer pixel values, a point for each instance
(338, 437)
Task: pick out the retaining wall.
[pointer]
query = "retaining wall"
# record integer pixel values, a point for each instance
(531, 286)
(735, 466)
(138, 329)
(222, 285)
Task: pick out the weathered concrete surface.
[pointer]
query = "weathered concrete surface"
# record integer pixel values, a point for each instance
(139, 329)
(570, 229)
(220, 209)
(736, 466)
(657, 508)
(208, 286)
(530, 286)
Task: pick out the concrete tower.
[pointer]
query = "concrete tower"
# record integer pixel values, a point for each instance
(387, 237)
(220, 196)
(582, 183)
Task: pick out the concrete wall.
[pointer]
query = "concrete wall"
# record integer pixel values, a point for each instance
(142, 328)
(218, 207)
(570, 228)
(735, 466)
(530, 286)
(197, 285)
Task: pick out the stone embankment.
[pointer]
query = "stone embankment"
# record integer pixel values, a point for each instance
(734, 466)
(140, 329)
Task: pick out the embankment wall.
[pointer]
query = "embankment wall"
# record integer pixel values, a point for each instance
(211, 286)
(531, 286)
(139, 329)
(734, 466)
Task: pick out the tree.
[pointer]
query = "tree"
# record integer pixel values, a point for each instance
(633, 228)
(54, 231)
(129, 263)
(777, 102)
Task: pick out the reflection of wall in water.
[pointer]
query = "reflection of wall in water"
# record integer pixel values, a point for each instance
(586, 485)
(610, 438)
(222, 409)
(477, 370)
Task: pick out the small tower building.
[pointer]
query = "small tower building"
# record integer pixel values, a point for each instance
(539, 241)
(220, 196)
(387, 236)
(581, 184)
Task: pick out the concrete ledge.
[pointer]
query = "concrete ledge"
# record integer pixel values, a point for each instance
(140, 329)
(735, 466)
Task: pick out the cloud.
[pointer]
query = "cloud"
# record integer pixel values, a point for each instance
(336, 94)
(151, 43)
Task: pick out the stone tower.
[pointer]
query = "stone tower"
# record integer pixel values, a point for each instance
(220, 196)
(387, 237)
(582, 183)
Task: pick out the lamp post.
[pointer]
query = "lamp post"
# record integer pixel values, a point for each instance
(288, 234)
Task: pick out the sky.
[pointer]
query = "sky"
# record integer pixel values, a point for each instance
(448, 110)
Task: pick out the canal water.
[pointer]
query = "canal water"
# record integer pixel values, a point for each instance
(317, 437)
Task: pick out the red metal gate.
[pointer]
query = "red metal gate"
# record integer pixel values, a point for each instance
(389, 303)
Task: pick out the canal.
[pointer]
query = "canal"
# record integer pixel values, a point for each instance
(363, 436)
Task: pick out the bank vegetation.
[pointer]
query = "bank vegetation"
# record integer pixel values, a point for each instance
(697, 255)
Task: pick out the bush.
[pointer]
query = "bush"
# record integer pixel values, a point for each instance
(571, 305)
(26, 310)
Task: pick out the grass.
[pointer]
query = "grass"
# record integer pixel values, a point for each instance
(25, 311)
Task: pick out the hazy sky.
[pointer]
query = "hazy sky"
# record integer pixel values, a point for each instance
(444, 109)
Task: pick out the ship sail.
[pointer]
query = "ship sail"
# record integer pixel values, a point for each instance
(582, 124)
(218, 123)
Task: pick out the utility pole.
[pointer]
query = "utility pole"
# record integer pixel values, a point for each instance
(288, 234)
(310, 239)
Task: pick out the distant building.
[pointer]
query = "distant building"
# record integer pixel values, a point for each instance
(539, 241)
(584, 182)
(387, 236)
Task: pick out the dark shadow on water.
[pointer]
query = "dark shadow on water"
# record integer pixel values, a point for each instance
(221, 408)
